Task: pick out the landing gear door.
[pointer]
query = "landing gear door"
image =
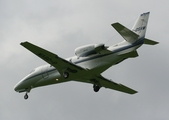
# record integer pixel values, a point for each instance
(45, 74)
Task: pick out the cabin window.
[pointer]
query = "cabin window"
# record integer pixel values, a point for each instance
(70, 60)
(115, 45)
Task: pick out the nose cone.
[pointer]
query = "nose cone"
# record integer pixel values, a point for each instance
(28, 82)
(17, 87)
(20, 86)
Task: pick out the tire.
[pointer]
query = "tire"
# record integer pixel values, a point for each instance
(26, 96)
(96, 88)
(65, 74)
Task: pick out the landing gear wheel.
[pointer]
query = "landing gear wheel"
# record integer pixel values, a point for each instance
(26, 96)
(96, 88)
(65, 74)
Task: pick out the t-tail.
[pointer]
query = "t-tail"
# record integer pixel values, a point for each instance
(137, 33)
(140, 25)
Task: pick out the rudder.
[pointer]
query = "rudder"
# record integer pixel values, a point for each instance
(140, 25)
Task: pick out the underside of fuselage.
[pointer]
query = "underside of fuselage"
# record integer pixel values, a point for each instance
(95, 66)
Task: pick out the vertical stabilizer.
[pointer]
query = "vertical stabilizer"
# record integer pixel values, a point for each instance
(137, 32)
(140, 25)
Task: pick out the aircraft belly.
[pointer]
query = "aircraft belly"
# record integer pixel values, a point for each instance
(99, 65)
(54, 78)
(96, 66)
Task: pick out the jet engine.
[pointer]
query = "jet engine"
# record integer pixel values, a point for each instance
(87, 50)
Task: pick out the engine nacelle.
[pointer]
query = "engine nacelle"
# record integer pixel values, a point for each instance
(87, 50)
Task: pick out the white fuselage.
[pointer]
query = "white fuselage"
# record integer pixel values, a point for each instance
(97, 63)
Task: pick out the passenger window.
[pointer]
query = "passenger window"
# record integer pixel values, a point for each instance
(70, 60)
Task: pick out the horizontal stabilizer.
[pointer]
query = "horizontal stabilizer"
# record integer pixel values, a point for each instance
(150, 42)
(127, 34)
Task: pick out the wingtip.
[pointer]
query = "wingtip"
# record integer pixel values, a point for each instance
(115, 23)
(132, 92)
(23, 42)
(135, 92)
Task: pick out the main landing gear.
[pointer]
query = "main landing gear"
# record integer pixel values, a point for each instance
(96, 88)
(65, 74)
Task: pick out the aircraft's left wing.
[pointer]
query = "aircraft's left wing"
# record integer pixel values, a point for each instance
(59, 63)
(115, 86)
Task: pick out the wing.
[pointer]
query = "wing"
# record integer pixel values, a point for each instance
(127, 34)
(103, 82)
(115, 86)
(59, 63)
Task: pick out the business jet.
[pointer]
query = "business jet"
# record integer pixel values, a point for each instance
(89, 61)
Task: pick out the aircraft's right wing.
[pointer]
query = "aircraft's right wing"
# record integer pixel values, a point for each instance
(115, 86)
(59, 63)
(127, 34)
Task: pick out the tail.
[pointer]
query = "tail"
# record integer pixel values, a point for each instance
(137, 32)
(140, 25)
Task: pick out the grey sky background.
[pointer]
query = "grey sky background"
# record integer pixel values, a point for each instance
(62, 25)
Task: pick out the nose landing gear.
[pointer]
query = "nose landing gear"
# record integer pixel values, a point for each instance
(26, 96)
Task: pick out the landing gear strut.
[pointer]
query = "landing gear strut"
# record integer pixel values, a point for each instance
(96, 88)
(26, 96)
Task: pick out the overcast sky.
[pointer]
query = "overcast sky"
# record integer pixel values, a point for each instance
(62, 25)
